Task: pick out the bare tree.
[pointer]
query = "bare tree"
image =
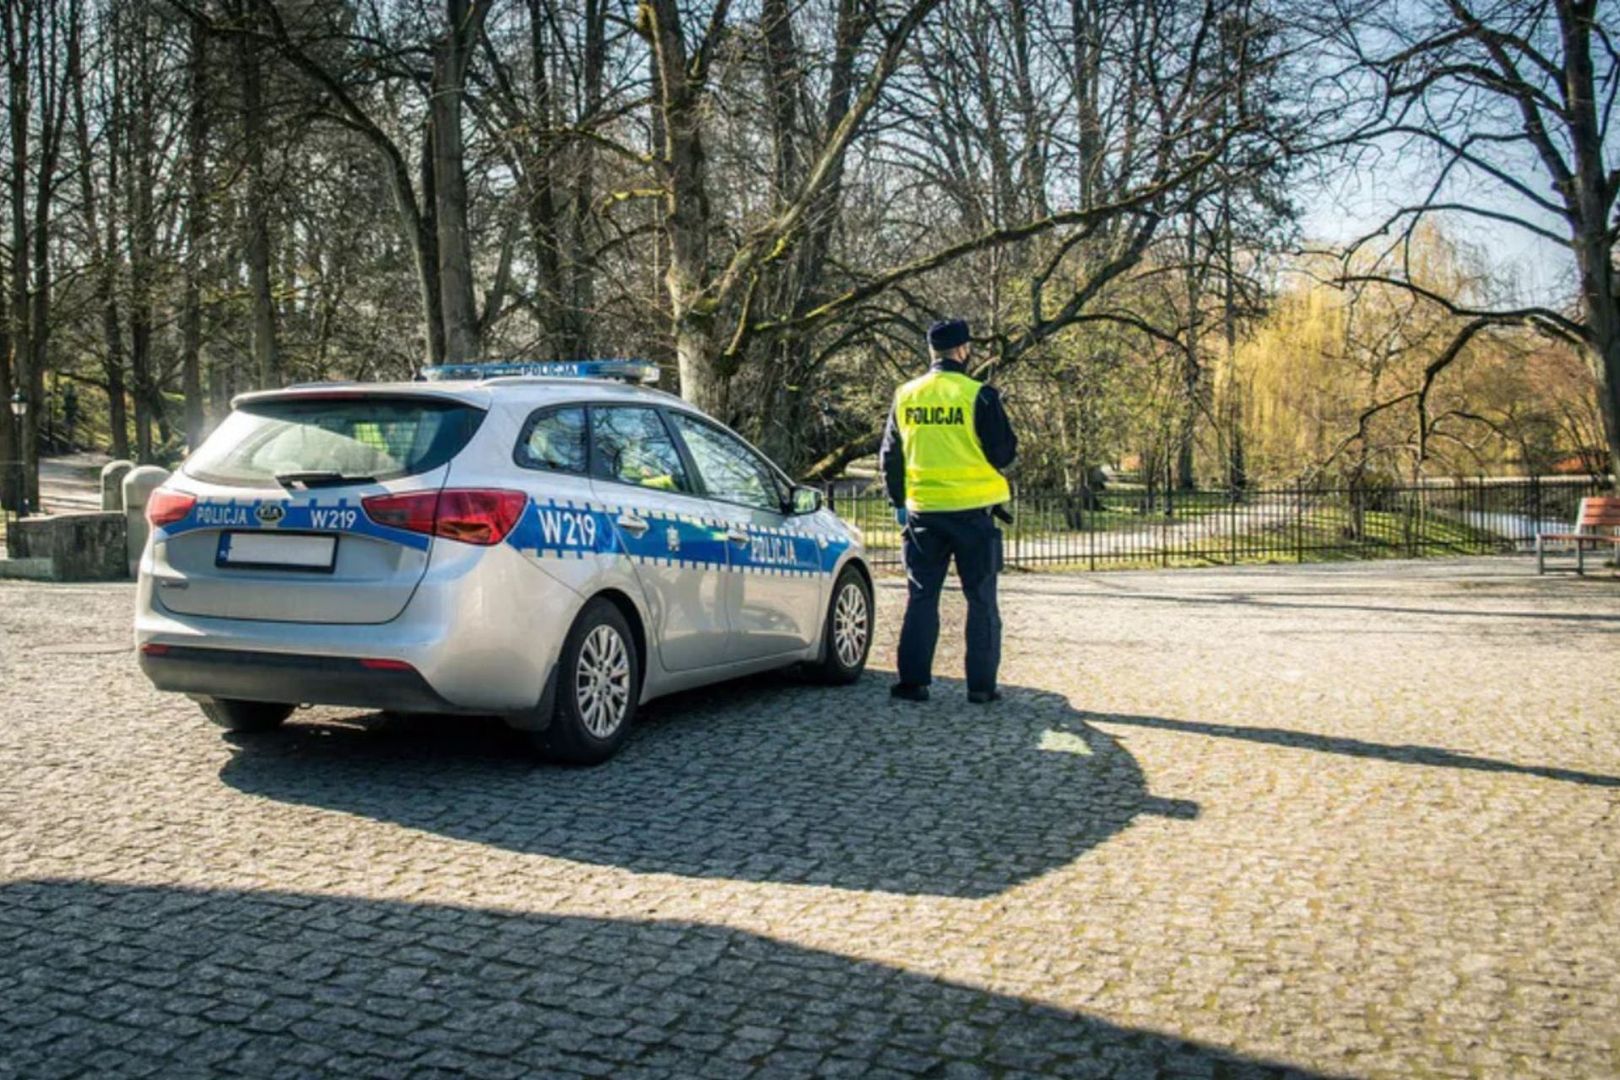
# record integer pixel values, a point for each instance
(98, 205)
(198, 225)
(1516, 97)
(36, 37)
(703, 290)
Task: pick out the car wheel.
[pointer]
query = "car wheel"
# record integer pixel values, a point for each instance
(598, 681)
(846, 639)
(245, 716)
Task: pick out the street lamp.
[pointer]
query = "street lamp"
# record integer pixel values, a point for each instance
(19, 476)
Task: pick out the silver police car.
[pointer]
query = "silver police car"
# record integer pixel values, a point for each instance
(551, 548)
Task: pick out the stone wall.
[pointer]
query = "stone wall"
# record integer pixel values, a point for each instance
(80, 547)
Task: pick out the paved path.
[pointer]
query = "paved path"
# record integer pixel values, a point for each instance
(1344, 820)
(71, 483)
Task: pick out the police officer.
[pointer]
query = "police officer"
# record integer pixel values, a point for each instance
(947, 438)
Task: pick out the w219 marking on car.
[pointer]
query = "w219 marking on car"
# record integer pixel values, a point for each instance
(333, 519)
(556, 551)
(568, 528)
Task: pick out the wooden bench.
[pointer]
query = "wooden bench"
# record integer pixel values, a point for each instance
(1597, 523)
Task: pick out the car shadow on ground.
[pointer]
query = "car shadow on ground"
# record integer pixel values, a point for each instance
(1434, 757)
(134, 980)
(765, 779)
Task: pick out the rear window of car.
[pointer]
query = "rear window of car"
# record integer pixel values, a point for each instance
(333, 440)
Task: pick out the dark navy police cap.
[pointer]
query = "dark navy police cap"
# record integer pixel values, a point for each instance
(947, 334)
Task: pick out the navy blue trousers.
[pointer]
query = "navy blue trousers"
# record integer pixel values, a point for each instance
(930, 541)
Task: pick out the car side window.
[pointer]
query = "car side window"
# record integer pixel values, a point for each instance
(729, 468)
(555, 439)
(630, 445)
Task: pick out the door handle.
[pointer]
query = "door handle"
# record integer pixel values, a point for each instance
(737, 536)
(631, 524)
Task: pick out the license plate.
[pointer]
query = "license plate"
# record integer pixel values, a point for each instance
(277, 551)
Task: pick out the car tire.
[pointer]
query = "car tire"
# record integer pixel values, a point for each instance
(243, 717)
(846, 637)
(598, 683)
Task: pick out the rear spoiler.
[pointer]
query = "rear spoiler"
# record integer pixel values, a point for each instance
(476, 396)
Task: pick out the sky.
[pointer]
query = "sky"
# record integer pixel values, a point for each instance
(1342, 210)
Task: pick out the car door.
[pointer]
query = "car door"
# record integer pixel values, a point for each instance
(562, 531)
(667, 531)
(773, 596)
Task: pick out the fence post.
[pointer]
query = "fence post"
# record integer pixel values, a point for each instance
(1419, 501)
(1535, 512)
(1164, 525)
(1296, 526)
(1232, 536)
(1018, 516)
(1091, 538)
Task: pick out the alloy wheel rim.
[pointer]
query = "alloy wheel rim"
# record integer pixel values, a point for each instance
(850, 625)
(602, 681)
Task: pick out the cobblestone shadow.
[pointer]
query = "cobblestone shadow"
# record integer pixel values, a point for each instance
(112, 980)
(762, 780)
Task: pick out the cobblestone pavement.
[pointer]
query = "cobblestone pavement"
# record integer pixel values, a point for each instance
(1339, 820)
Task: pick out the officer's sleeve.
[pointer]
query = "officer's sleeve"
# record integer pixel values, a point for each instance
(892, 462)
(993, 428)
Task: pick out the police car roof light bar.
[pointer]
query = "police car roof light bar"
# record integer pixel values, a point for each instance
(633, 371)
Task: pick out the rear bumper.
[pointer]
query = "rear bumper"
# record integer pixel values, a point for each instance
(288, 678)
(481, 635)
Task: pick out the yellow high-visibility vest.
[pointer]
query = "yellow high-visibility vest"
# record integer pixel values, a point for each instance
(945, 465)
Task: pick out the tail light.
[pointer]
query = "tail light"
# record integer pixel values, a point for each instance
(168, 507)
(472, 515)
(381, 664)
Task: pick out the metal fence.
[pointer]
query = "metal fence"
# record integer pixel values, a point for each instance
(1121, 528)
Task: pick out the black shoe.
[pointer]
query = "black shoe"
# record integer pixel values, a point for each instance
(908, 692)
(983, 697)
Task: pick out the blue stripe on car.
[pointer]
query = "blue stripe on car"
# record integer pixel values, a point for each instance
(342, 515)
(574, 530)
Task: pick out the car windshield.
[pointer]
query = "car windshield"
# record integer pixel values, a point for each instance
(311, 441)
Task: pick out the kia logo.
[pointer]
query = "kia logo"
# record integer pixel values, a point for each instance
(270, 513)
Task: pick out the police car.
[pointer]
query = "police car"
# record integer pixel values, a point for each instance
(552, 543)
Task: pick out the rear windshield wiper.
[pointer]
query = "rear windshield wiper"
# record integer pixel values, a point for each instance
(318, 478)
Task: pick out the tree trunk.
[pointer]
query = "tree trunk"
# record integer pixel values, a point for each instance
(422, 229)
(1192, 372)
(37, 416)
(686, 218)
(141, 179)
(1603, 353)
(104, 248)
(1591, 189)
(1087, 46)
(450, 57)
(539, 188)
(701, 381)
(266, 351)
(61, 31)
(197, 225)
(8, 428)
(18, 30)
(581, 262)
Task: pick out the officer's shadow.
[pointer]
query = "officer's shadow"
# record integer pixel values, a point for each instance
(766, 779)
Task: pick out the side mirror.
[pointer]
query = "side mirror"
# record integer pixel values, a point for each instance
(806, 500)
